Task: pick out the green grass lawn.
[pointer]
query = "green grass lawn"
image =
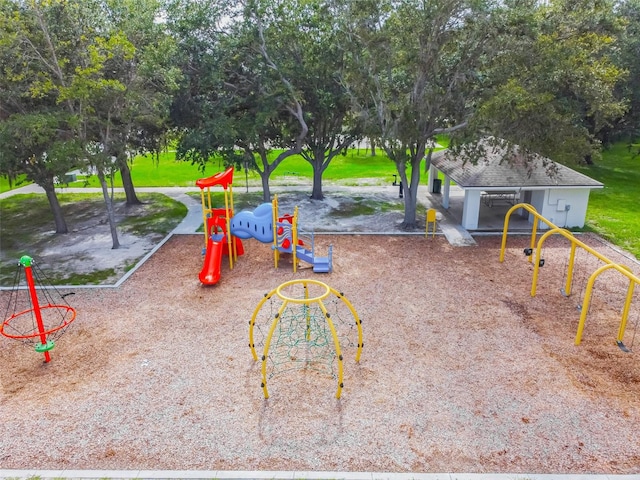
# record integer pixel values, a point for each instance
(27, 221)
(166, 171)
(5, 185)
(163, 171)
(614, 210)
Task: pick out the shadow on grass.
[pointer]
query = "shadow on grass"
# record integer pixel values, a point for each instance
(28, 227)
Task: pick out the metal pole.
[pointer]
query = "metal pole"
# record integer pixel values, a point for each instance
(25, 261)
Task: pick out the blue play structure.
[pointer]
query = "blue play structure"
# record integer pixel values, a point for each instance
(257, 224)
(267, 226)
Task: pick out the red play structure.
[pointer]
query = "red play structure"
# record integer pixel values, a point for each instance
(224, 231)
(217, 233)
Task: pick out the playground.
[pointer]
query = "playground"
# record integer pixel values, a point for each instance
(461, 369)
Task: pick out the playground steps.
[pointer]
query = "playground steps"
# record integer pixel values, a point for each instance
(320, 264)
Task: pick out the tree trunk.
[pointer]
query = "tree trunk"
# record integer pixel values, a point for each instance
(127, 184)
(410, 195)
(410, 208)
(54, 204)
(316, 192)
(318, 165)
(264, 170)
(110, 213)
(266, 193)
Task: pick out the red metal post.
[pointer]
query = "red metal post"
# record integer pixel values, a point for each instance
(36, 309)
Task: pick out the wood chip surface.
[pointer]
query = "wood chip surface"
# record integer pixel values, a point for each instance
(461, 371)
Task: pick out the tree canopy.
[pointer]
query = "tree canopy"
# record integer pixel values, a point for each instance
(84, 85)
(92, 82)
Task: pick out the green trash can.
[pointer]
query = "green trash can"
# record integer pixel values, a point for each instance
(437, 185)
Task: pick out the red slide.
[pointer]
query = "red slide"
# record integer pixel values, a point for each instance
(210, 273)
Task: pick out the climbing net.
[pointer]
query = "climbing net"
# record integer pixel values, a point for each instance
(304, 325)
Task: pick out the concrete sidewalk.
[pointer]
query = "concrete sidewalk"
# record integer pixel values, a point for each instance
(447, 224)
(285, 475)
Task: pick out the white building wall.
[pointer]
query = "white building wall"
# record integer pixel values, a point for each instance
(538, 201)
(564, 207)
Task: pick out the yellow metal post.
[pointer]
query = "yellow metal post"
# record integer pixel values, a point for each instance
(572, 256)
(232, 245)
(587, 297)
(587, 300)
(209, 200)
(534, 232)
(307, 309)
(267, 343)
(228, 225)
(294, 239)
(344, 299)
(625, 311)
(204, 218)
(534, 228)
(252, 322)
(336, 343)
(536, 266)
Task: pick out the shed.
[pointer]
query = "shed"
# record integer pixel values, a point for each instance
(557, 192)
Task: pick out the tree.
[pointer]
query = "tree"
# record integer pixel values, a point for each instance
(73, 64)
(78, 79)
(40, 146)
(414, 86)
(199, 108)
(627, 57)
(300, 40)
(290, 128)
(138, 115)
(232, 96)
(524, 72)
(37, 136)
(552, 88)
